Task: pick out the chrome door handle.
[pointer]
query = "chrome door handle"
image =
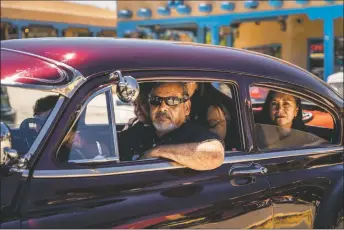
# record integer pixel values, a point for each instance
(247, 170)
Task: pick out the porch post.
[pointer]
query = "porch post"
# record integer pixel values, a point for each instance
(230, 39)
(94, 31)
(59, 32)
(19, 30)
(201, 34)
(328, 47)
(215, 34)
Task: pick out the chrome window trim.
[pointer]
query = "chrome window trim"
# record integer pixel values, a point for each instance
(67, 90)
(111, 107)
(159, 166)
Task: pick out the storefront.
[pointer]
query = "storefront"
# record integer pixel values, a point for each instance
(316, 55)
(30, 19)
(275, 27)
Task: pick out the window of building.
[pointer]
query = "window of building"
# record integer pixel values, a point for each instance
(316, 56)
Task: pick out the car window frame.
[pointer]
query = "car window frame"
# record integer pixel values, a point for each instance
(235, 80)
(108, 91)
(53, 170)
(295, 91)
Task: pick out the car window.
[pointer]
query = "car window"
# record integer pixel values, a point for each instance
(212, 108)
(123, 111)
(283, 120)
(25, 115)
(91, 136)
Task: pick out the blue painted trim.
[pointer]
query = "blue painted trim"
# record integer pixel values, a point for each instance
(328, 47)
(230, 39)
(201, 34)
(276, 3)
(125, 14)
(205, 8)
(144, 13)
(179, 2)
(329, 1)
(302, 2)
(251, 4)
(215, 35)
(183, 9)
(175, 3)
(228, 6)
(171, 4)
(164, 11)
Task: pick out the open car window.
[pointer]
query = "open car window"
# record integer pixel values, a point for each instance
(213, 107)
(284, 121)
(25, 115)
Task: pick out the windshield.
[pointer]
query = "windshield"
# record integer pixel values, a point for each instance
(25, 112)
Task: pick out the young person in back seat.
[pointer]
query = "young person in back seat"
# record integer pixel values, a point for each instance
(213, 109)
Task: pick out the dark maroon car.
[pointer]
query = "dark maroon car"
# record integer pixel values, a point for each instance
(60, 162)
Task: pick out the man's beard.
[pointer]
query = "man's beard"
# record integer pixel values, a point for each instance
(164, 127)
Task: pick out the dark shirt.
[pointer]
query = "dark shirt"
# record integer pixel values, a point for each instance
(136, 140)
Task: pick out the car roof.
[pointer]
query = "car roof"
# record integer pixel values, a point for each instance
(94, 55)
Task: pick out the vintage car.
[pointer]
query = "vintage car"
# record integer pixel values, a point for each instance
(47, 183)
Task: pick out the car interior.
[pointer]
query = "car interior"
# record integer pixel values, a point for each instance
(317, 120)
(206, 90)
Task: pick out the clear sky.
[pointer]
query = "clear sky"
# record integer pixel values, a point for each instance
(111, 5)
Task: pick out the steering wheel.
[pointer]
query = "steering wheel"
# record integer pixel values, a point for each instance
(27, 134)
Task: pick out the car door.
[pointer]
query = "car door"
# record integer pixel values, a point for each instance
(306, 182)
(150, 193)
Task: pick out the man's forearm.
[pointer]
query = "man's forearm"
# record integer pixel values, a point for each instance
(199, 156)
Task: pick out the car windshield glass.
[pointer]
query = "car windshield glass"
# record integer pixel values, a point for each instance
(25, 112)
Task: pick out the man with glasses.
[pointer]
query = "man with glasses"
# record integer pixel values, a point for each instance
(172, 136)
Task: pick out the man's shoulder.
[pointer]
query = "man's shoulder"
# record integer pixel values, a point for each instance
(197, 131)
(136, 128)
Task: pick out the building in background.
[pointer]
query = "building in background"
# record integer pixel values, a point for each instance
(308, 33)
(32, 19)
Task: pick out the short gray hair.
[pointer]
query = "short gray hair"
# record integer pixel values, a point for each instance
(183, 85)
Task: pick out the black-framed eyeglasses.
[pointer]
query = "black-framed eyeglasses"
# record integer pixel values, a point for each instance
(170, 101)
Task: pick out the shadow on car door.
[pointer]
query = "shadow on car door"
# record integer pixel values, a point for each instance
(148, 194)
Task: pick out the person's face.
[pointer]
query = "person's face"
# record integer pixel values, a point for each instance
(165, 117)
(283, 109)
(191, 87)
(141, 109)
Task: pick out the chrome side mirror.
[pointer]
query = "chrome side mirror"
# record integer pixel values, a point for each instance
(127, 88)
(7, 153)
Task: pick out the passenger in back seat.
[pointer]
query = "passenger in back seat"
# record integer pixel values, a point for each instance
(213, 109)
